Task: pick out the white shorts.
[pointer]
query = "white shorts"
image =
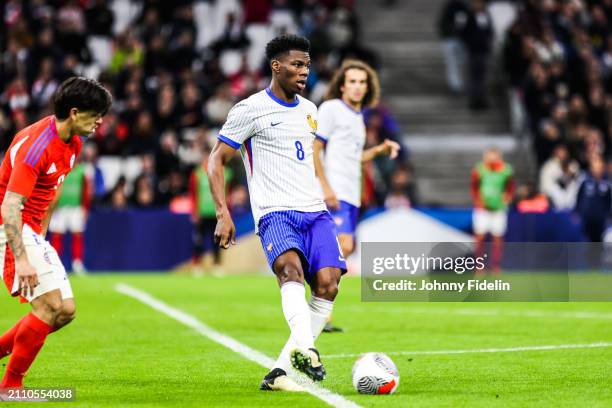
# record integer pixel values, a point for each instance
(68, 219)
(493, 222)
(43, 257)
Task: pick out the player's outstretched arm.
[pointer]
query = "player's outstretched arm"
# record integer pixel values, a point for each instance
(328, 193)
(11, 218)
(225, 232)
(386, 148)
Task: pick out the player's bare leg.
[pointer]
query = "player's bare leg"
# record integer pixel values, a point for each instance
(496, 256)
(479, 242)
(347, 245)
(66, 315)
(78, 244)
(49, 313)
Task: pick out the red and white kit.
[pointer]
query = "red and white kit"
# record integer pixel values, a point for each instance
(35, 165)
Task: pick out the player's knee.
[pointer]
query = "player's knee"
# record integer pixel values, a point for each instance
(289, 272)
(52, 307)
(68, 313)
(326, 289)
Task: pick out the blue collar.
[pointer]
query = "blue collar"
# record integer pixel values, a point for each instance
(280, 101)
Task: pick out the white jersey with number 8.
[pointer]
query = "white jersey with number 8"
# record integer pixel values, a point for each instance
(275, 140)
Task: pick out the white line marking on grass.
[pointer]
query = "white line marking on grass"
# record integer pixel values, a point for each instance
(510, 313)
(245, 351)
(489, 350)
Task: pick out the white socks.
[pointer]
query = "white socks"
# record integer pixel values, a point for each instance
(295, 309)
(320, 310)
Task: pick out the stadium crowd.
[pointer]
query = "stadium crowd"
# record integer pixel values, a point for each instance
(175, 68)
(558, 60)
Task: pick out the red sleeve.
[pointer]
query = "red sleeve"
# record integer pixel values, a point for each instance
(24, 175)
(475, 186)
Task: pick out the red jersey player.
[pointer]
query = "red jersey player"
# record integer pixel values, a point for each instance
(31, 175)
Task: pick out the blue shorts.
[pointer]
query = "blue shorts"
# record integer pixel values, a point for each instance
(345, 218)
(312, 235)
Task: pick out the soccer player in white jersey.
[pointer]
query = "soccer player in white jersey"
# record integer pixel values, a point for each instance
(341, 134)
(275, 130)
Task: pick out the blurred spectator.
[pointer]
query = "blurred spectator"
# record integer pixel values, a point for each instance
(100, 18)
(239, 199)
(175, 69)
(559, 179)
(128, 52)
(143, 195)
(529, 200)
(167, 160)
(402, 193)
(190, 108)
(93, 173)
(204, 214)
(477, 36)
(17, 98)
(71, 32)
(172, 186)
(70, 215)
(492, 187)
(594, 200)
(117, 199)
(44, 48)
(166, 109)
(44, 85)
(451, 23)
(219, 105)
(566, 89)
(143, 136)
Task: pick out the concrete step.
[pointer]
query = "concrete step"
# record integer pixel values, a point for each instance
(445, 137)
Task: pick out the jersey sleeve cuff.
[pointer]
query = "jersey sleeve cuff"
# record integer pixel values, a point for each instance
(229, 142)
(321, 138)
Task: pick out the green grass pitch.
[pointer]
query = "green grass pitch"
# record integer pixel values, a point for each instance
(120, 352)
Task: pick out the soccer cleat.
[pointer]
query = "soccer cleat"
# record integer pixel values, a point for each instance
(330, 328)
(309, 363)
(277, 380)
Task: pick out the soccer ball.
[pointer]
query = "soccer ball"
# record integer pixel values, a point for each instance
(375, 373)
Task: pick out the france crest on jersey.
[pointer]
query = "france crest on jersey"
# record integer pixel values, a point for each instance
(275, 140)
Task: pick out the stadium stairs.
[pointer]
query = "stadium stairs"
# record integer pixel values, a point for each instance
(446, 138)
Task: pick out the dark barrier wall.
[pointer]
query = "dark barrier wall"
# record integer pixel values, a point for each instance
(140, 240)
(158, 240)
(548, 227)
(144, 240)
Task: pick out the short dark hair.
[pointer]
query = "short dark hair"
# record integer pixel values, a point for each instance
(82, 93)
(285, 43)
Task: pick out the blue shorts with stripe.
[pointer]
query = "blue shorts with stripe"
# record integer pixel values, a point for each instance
(345, 218)
(312, 235)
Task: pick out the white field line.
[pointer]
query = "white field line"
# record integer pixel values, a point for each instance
(501, 313)
(245, 351)
(489, 350)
